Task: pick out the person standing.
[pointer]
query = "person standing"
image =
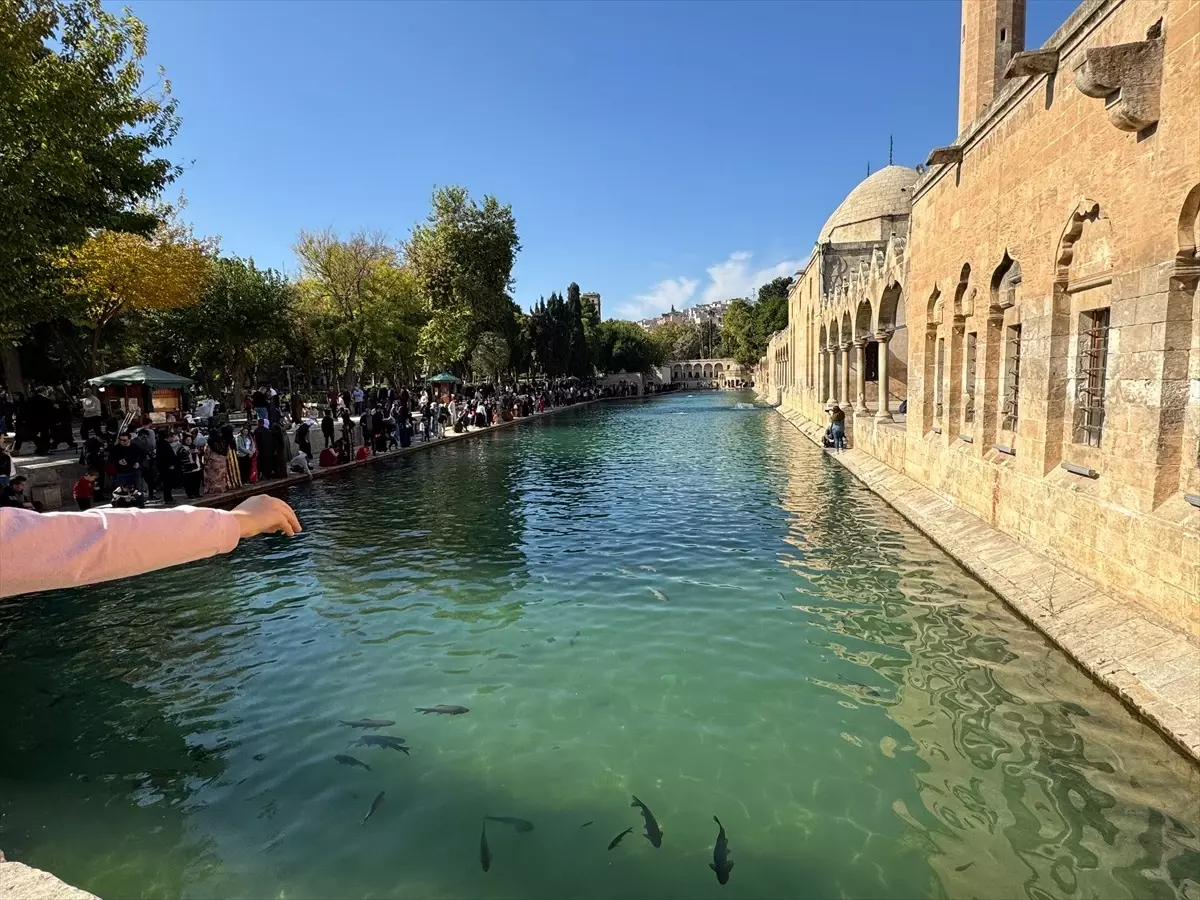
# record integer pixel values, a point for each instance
(302, 441)
(92, 414)
(327, 427)
(259, 397)
(244, 449)
(358, 401)
(149, 468)
(189, 466)
(216, 466)
(347, 429)
(281, 450)
(84, 490)
(126, 459)
(168, 465)
(264, 444)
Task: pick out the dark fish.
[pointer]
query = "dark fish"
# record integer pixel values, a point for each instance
(370, 723)
(721, 864)
(351, 761)
(374, 806)
(443, 710)
(521, 825)
(653, 832)
(964, 866)
(617, 839)
(485, 855)
(871, 692)
(385, 741)
(586, 824)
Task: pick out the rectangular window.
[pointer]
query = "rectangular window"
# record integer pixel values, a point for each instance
(937, 384)
(871, 361)
(1090, 372)
(969, 387)
(1012, 379)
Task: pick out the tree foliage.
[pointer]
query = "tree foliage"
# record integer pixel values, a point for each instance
(113, 273)
(748, 326)
(626, 347)
(80, 142)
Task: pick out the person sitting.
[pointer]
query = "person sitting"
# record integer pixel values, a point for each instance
(362, 453)
(329, 457)
(13, 495)
(343, 452)
(298, 465)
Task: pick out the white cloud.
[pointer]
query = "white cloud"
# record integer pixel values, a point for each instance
(667, 293)
(734, 278)
(726, 280)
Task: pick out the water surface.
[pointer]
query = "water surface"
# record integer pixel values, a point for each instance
(681, 599)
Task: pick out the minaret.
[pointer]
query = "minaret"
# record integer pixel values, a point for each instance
(992, 31)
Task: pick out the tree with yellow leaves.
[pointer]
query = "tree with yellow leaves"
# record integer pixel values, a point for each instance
(114, 272)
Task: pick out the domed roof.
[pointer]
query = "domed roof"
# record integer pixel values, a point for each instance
(887, 192)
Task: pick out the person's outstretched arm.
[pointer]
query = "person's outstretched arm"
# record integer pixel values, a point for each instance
(42, 551)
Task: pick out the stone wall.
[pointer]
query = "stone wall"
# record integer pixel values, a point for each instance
(1051, 261)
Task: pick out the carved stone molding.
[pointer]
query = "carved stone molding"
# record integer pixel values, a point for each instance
(1086, 211)
(940, 156)
(1032, 62)
(1128, 77)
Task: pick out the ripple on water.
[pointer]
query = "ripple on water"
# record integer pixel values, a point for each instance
(865, 718)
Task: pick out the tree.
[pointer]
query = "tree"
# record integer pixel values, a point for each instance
(341, 279)
(241, 316)
(579, 355)
(115, 272)
(462, 258)
(80, 138)
(772, 313)
(626, 347)
(678, 340)
(491, 355)
(393, 318)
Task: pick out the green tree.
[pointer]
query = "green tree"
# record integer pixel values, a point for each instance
(239, 318)
(579, 355)
(80, 145)
(462, 258)
(773, 305)
(491, 355)
(626, 347)
(342, 279)
(393, 320)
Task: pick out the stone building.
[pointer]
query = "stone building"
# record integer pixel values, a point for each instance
(1016, 326)
(697, 374)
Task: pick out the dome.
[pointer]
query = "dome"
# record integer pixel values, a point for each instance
(887, 192)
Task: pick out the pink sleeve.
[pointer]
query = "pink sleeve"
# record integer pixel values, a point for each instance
(41, 551)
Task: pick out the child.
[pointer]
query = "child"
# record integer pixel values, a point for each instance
(84, 490)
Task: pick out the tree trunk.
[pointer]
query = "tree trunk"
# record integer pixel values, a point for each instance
(348, 376)
(95, 361)
(239, 384)
(12, 367)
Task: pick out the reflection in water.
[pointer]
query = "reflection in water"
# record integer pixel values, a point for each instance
(682, 599)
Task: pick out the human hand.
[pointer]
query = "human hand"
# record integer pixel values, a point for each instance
(264, 514)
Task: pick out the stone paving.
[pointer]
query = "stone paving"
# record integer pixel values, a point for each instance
(1153, 667)
(21, 882)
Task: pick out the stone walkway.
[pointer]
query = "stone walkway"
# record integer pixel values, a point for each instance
(21, 882)
(1153, 667)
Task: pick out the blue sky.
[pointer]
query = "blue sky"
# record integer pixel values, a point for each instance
(654, 152)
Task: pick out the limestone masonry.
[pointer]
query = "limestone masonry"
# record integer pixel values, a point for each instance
(1016, 325)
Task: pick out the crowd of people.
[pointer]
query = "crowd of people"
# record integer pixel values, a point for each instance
(202, 453)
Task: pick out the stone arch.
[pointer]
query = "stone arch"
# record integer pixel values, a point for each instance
(1189, 227)
(708, 370)
(847, 332)
(1085, 248)
(863, 317)
(964, 294)
(1005, 282)
(933, 310)
(889, 308)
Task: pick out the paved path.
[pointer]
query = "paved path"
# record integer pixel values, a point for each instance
(1152, 666)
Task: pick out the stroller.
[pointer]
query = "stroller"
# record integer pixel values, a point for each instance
(124, 497)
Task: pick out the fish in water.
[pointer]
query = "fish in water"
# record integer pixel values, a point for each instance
(659, 595)
(648, 568)
(964, 866)
(626, 572)
(485, 854)
(370, 723)
(721, 864)
(653, 832)
(871, 692)
(385, 741)
(374, 806)
(443, 710)
(351, 761)
(618, 838)
(521, 825)
(587, 823)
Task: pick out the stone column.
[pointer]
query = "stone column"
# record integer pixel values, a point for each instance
(860, 381)
(831, 354)
(844, 399)
(885, 405)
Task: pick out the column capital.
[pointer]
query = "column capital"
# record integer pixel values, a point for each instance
(846, 345)
(883, 336)
(860, 342)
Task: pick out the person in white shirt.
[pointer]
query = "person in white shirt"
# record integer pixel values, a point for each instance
(300, 466)
(92, 414)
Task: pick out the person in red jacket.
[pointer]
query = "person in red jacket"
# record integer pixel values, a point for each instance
(362, 452)
(84, 490)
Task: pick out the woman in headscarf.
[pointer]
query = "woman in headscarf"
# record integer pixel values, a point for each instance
(216, 464)
(231, 458)
(281, 449)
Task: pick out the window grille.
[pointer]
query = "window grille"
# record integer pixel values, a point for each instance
(1012, 379)
(1090, 374)
(937, 386)
(969, 390)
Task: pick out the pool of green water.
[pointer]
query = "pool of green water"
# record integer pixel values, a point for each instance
(681, 599)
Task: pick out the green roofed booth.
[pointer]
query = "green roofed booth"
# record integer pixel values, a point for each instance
(142, 392)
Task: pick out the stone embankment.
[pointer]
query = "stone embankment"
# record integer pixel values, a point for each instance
(1151, 666)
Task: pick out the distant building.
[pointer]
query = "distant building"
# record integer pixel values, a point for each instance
(593, 298)
(704, 312)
